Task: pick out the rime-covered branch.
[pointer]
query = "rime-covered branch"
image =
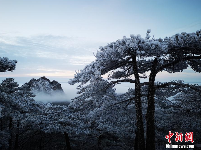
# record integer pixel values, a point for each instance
(177, 61)
(179, 84)
(7, 65)
(123, 80)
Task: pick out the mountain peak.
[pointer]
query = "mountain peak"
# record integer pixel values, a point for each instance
(44, 85)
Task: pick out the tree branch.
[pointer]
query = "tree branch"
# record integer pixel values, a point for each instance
(128, 100)
(123, 80)
(163, 85)
(115, 65)
(177, 61)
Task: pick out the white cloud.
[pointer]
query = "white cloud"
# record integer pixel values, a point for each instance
(68, 74)
(49, 69)
(47, 55)
(51, 72)
(48, 46)
(9, 40)
(81, 60)
(50, 55)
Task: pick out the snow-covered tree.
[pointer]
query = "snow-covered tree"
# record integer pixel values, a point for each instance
(105, 114)
(177, 110)
(19, 112)
(136, 56)
(7, 65)
(17, 103)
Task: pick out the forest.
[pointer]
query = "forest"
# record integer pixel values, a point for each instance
(99, 118)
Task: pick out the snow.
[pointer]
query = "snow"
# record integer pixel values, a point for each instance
(149, 31)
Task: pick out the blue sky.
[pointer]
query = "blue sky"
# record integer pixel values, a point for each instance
(53, 38)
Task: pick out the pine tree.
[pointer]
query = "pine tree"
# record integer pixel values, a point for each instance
(134, 57)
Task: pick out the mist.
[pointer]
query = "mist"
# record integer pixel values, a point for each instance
(54, 97)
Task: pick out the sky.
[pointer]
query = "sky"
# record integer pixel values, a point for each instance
(53, 38)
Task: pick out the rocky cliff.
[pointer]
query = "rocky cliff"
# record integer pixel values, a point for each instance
(45, 86)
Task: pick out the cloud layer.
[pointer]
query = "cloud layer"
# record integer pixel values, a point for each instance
(48, 55)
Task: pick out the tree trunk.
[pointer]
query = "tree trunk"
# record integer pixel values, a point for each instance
(99, 142)
(40, 145)
(1, 124)
(41, 140)
(67, 141)
(17, 137)
(150, 135)
(136, 140)
(11, 134)
(140, 144)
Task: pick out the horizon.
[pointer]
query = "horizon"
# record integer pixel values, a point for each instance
(71, 91)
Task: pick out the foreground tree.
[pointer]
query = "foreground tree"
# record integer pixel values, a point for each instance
(177, 109)
(135, 56)
(5, 65)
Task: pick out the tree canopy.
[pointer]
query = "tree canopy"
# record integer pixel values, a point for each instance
(129, 59)
(173, 54)
(7, 65)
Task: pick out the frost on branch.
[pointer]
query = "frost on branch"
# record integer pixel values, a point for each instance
(7, 65)
(15, 98)
(174, 54)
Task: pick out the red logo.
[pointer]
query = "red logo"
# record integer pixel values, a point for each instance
(189, 137)
(179, 137)
(169, 136)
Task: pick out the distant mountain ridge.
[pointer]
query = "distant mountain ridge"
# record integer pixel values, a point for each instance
(45, 86)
